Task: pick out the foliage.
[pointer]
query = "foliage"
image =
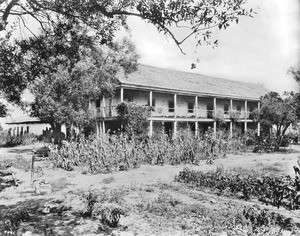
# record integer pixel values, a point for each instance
(234, 115)
(8, 140)
(67, 69)
(264, 217)
(18, 162)
(278, 191)
(105, 153)
(295, 74)
(219, 116)
(278, 113)
(107, 17)
(133, 118)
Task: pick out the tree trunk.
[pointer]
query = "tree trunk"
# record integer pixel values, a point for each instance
(56, 133)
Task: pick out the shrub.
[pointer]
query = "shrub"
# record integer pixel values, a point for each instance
(134, 118)
(12, 141)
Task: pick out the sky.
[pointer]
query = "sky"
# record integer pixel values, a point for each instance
(258, 50)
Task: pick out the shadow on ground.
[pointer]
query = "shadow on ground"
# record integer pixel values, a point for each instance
(20, 151)
(39, 223)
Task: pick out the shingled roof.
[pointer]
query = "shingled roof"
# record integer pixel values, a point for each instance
(155, 78)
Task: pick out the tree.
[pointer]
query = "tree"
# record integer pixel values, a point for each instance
(295, 74)
(133, 118)
(196, 18)
(278, 113)
(68, 69)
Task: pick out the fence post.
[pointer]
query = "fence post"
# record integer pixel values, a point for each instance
(32, 166)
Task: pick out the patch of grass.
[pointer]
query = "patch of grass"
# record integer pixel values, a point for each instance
(59, 184)
(109, 180)
(18, 162)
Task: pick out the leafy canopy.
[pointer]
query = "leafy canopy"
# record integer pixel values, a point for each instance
(68, 69)
(278, 113)
(194, 18)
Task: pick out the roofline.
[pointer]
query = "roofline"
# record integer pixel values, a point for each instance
(25, 122)
(184, 92)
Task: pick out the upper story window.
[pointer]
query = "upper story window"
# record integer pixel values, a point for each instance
(128, 99)
(171, 106)
(226, 108)
(190, 107)
(98, 102)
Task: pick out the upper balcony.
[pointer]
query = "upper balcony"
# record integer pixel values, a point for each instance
(183, 113)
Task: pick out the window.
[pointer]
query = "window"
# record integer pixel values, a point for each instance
(226, 108)
(209, 108)
(128, 99)
(171, 106)
(98, 103)
(190, 107)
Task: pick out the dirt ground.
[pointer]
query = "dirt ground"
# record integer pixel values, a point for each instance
(137, 191)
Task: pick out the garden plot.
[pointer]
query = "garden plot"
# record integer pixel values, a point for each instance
(145, 201)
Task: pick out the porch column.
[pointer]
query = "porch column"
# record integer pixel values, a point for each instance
(103, 106)
(231, 124)
(175, 105)
(246, 110)
(196, 128)
(196, 107)
(215, 106)
(151, 128)
(215, 129)
(97, 128)
(215, 112)
(122, 94)
(103, 127)
(175, 128)
(245, 126)
(258, 124)
(150, 98)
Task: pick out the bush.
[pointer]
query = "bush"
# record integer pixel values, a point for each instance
(25, 139)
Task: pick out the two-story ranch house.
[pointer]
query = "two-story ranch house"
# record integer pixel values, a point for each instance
(183, 100)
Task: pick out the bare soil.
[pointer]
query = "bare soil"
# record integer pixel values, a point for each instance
(141, 192)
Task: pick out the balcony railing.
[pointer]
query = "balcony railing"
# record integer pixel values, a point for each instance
(107, 112)
(180, 112)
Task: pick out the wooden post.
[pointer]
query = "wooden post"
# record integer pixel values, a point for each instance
(215, 107)
(196, 128)
(122, 94)
(175, 105)
(230, 129)
(258, 124)
(245, 126)
(32, 166)
(196, 107)
(151, 128)
(246, 110)
(215, 112)
(215, 129)
(150, 98)
(104, 106)
(175, 128)
(103, 127)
